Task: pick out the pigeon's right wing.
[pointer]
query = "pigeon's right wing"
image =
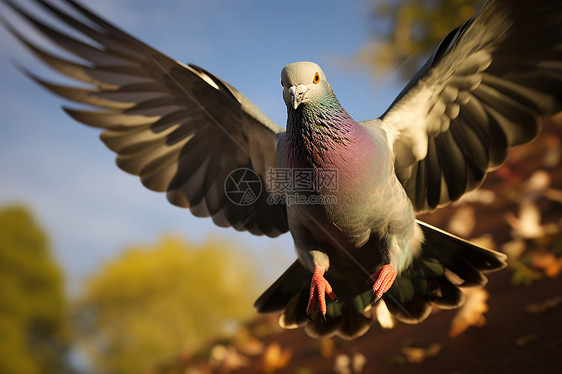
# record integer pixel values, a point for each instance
(180, 128)
(480, 94)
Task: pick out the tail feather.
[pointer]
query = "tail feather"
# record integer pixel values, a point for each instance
(352, 325)
(451, 296)
(445, 263)
(290, 294)
(342, 319)
(294, 314)
(429, 281)
(414, 310)
(470, 275)
(414, 291)
(456, 251)
(276, 298)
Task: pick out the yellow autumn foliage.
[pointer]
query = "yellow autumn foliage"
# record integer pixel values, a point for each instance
(156, 302)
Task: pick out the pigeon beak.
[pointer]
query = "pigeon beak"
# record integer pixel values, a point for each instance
(298, 95)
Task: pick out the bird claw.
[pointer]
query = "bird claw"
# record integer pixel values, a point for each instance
(383, 279)
(319, 287)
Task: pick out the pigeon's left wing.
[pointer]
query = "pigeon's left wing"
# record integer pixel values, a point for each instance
(481, 93)
(181, 129)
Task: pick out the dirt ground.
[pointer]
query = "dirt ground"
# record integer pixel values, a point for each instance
(515, 339)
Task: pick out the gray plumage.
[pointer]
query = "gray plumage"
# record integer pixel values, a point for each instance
(183, 130)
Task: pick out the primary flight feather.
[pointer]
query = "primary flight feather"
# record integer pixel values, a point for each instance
(347, 191)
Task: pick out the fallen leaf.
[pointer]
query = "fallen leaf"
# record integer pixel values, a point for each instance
(246, 343)
(525, 340)
(528, 223)
(463, 221)
(537, 183)
(251, 347)
(227, 359)
(485, 241)
(415, 355)
(547, 262)
(471, 313)
(524, 275)
(545, 306)
(341, 364)
(514, 249)
(275, 358)
(358, 362)
(553, 194)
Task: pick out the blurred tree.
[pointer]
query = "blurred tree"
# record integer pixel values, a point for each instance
(32, 307)
(405, 31)
(156, 302)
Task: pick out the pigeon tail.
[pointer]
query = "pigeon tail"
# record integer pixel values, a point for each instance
(446, 263)
(345, 316)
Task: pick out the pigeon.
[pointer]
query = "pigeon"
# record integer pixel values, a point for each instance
(348, 192)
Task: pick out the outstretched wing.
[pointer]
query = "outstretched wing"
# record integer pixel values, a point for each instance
(481, 93)
(180, 128)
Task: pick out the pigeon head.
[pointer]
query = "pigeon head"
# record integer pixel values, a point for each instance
(303, 83)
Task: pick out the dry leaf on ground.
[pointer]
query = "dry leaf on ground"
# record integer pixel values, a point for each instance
(227, 359)
(545, 306)
(547, 262)
(415, 355)
(275, 358)
(471, 313)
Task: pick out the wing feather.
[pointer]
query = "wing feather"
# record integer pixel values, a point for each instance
(181, 129)
(481, 93)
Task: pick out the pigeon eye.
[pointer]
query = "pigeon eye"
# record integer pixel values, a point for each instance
(282, 84)
(316, 78)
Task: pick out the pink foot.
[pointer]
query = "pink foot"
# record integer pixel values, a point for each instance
(383, 278)
(319, 286)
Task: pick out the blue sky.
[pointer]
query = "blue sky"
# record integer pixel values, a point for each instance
(90, 208)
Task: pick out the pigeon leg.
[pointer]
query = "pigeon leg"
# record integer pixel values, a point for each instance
(383, 278)
(319, 286)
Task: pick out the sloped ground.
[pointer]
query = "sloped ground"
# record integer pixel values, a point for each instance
(514, 339)
(521, 332)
